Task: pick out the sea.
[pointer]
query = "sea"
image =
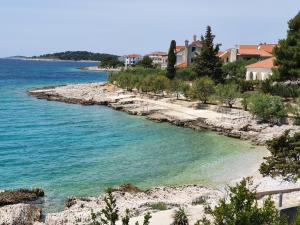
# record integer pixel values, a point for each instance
(74, 150)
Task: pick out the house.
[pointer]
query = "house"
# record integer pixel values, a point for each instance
(261, 51)
(186, 53)
(132, 59)
(260, 70)
(160, 58)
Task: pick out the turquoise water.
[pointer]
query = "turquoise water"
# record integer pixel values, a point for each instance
(80, 150)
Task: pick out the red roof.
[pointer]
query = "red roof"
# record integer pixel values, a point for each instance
(134, 56)
(182, 65)
(251, 51)
(267, 47)
(267, 63)
(158, 53)
(179, 47)
(248, 47)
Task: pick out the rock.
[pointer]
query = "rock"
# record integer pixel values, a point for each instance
(127, 188)
(20, 196)
(19, 214)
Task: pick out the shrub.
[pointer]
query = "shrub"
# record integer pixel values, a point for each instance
(160, 84)
(227, 93)
(203, 88)
(284, 159)
(180, 217)
(242, 209)
(159, 206)
(267, 108)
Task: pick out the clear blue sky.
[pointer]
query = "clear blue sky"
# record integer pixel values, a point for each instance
(33, 27)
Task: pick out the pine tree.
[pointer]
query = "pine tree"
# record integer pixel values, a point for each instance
(110, 212)
(287, 52)
(285, 157)
(171, 70)
(207, 62)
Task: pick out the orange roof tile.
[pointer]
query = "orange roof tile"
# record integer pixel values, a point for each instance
(182, 65)
(134, 56)
(248, 47)
(179, 47)
(267, 47)
(261, 53)
(267, 63)
(158, 53)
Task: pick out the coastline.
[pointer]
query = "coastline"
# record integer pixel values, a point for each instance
(97, 69)
(159, 109)
(234, 123)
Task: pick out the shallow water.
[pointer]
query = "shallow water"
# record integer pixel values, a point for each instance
(80, 150)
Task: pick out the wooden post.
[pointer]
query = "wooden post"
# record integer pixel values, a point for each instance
(280, 199)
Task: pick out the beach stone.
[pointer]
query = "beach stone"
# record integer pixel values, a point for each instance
(19, 214)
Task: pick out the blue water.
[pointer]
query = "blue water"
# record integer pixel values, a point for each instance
(74, 150)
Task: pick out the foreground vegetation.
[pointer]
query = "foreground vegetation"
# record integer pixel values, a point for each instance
(240, 208)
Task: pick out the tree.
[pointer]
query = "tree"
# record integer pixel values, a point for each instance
(237, 69)
(160, 84)
(203, 88)
(207, 62)
(267, 108)
(180, 217)
(146, 62)
(171, 70)
(287, 53)
(126, 218)
(109, 215)
(242, 209)
(227, 93)
(285, 157)
(175, 86)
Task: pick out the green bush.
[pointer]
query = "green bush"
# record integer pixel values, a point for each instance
(185, 74)
(227, 93)
(242, 209)
(160, 206)
(180, 217)
(202, 89)
(285, 91)
(284, 159)
(267, 108)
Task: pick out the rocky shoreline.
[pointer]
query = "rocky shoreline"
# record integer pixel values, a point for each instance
(235, 122)
(230, 122)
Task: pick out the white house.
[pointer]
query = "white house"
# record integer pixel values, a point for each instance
(260, 70)
(186, 53)
(132, 59)
(262, 51)
(160, 58)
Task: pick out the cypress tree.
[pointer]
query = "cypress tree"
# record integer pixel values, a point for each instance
(171, 70)
(207, 62)
(287, 52)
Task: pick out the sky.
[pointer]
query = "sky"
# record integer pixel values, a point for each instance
(34, 27)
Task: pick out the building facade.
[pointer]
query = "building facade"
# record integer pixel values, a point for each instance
(185, 54)
(132, 60)
(261, 51)
(159, 58)
(260, 70)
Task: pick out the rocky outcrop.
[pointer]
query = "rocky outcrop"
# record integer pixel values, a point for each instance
(19, 214)
(20, 196)
(235, 123)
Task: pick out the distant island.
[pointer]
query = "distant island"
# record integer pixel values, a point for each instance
(71, 55)
(77, 56)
